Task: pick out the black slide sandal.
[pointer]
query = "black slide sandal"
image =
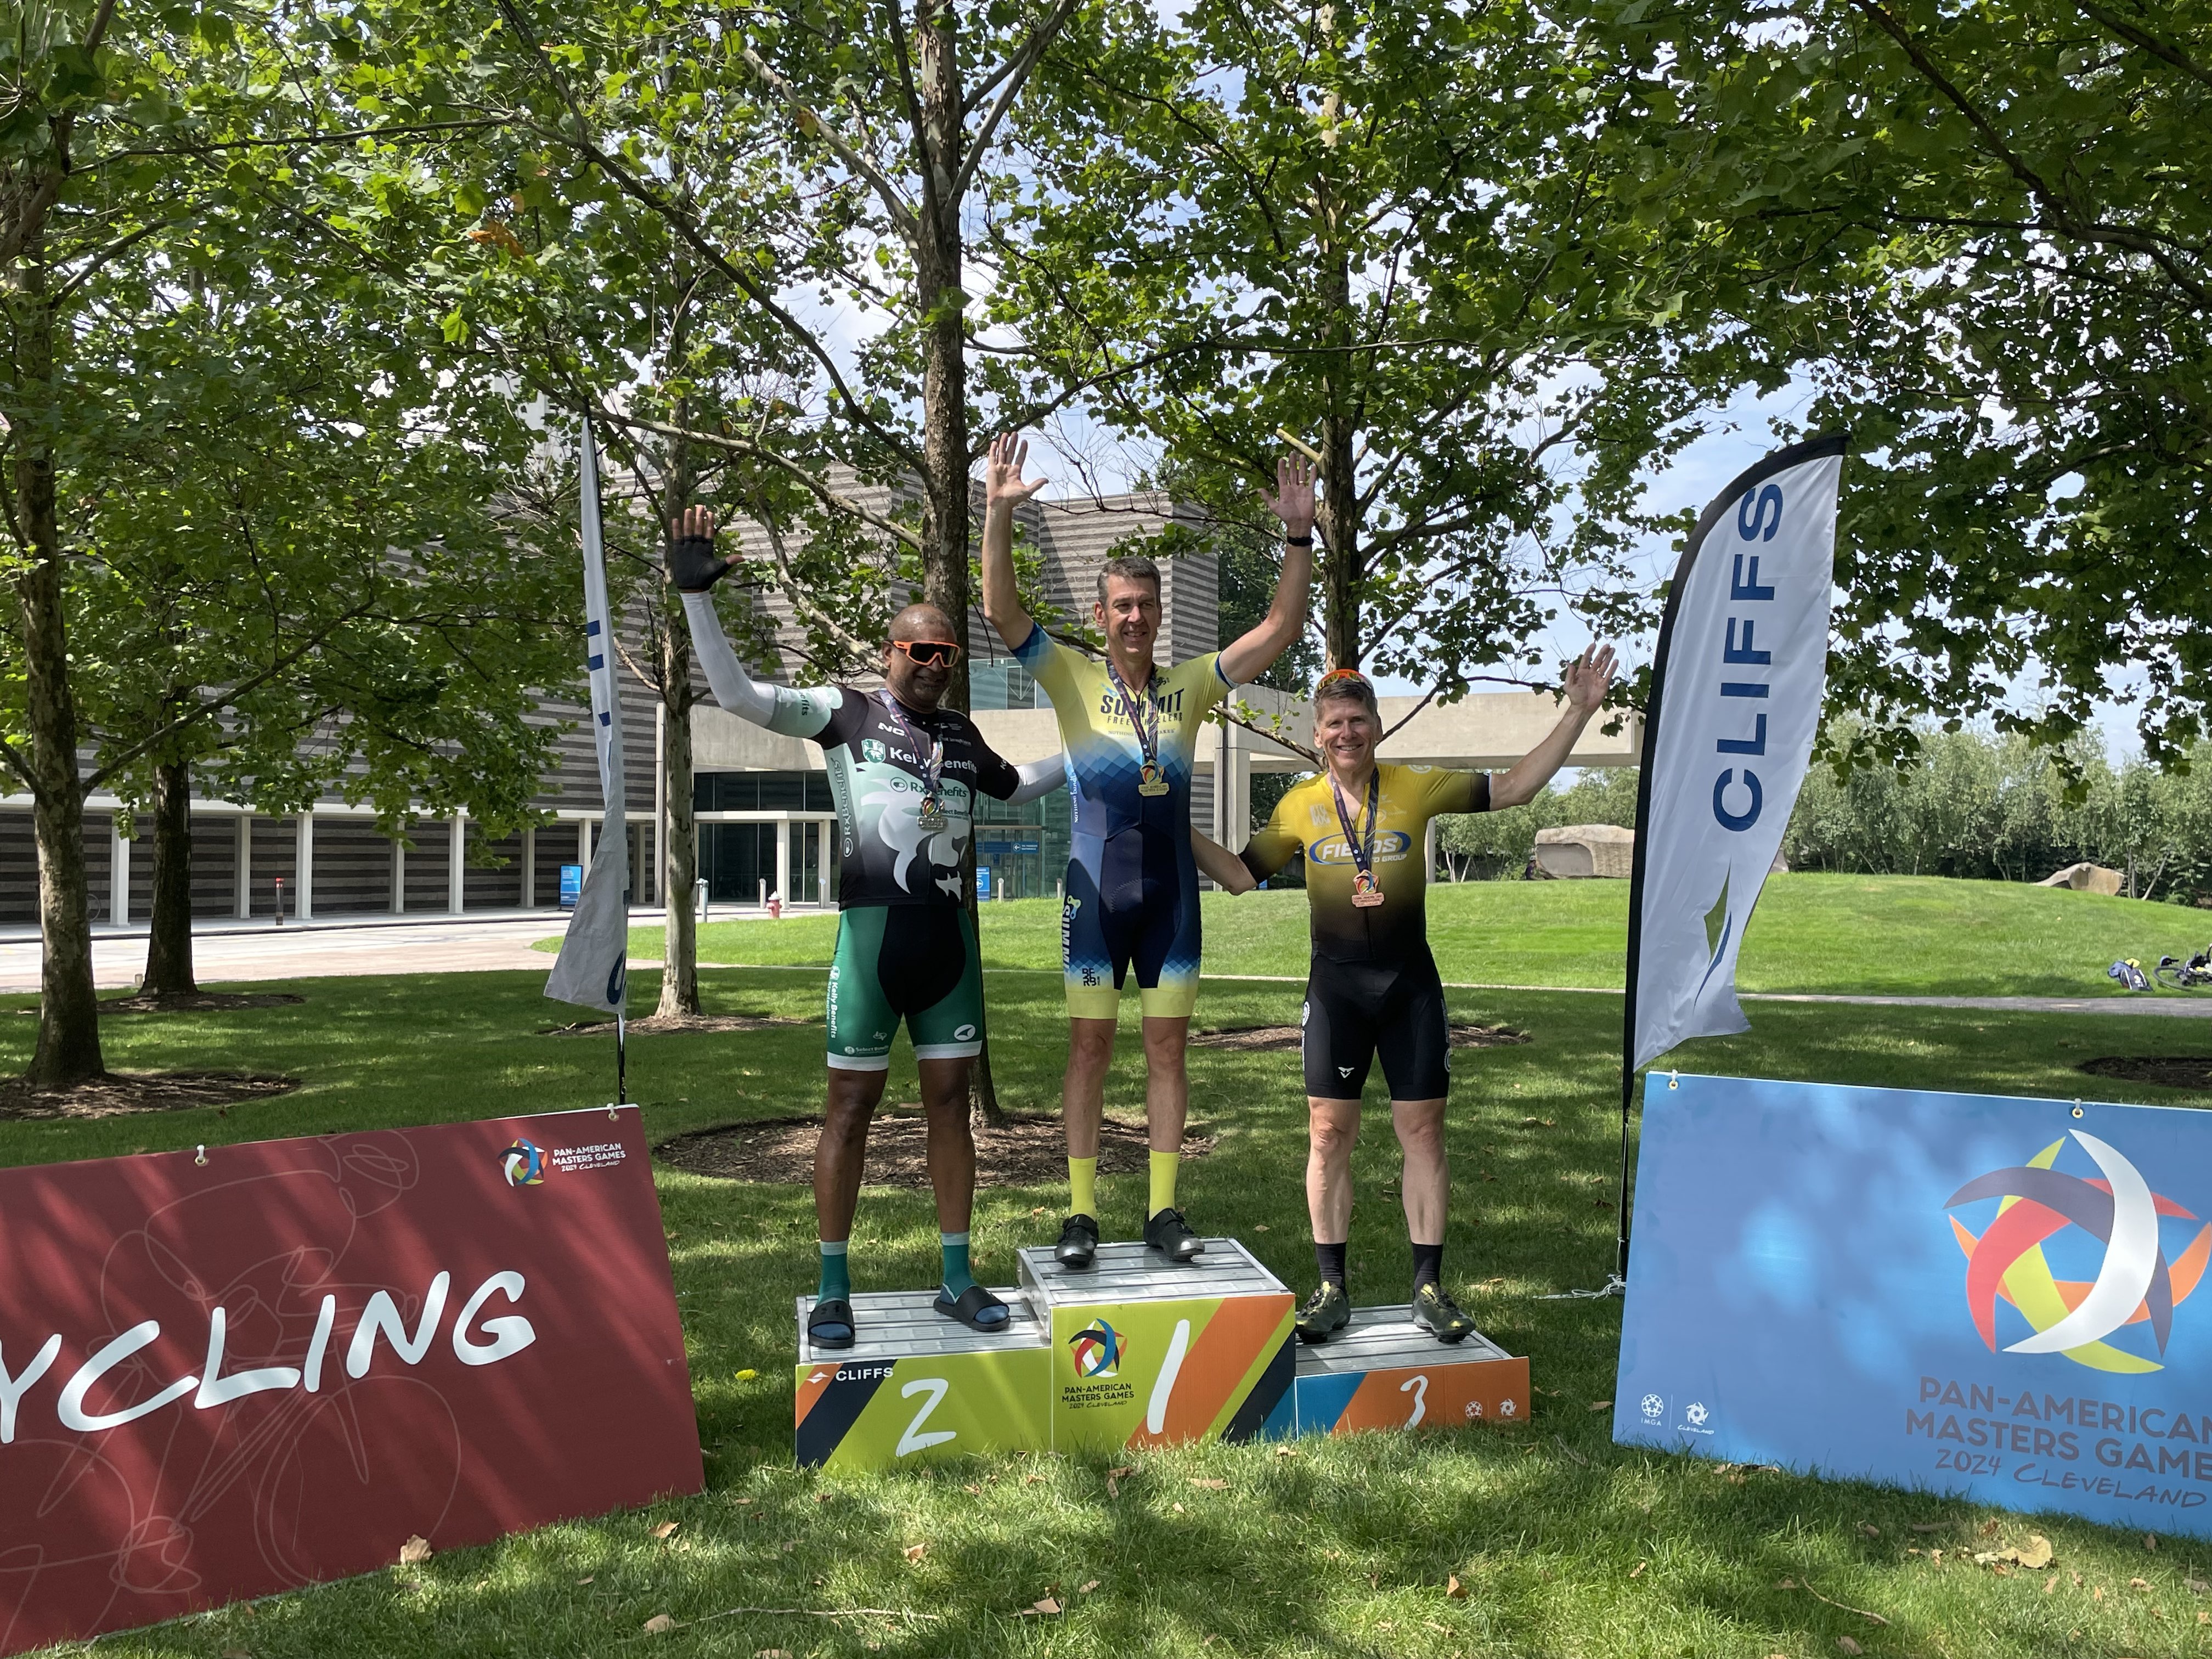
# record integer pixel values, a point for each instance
(969, 1309)
(829, 1317)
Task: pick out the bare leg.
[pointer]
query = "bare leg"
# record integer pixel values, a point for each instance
(843, 1144)
(1335, 1126)
(1420, 1125)
(1083, 1090)
(1167, 1084)
(952, 1143)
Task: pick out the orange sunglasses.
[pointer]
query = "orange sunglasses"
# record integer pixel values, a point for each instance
(929, 653)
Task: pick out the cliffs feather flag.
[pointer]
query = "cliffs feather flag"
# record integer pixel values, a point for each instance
(1735, 702)
(592, 968)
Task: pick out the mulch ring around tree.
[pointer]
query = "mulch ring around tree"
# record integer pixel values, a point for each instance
(653, 1023)
(121, 1093)
(191, 1002)
(1465, 1033)
(2166, 1071)
(1029, 1150)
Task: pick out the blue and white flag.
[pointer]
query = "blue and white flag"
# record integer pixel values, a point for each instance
(1735, 700)
(592, 968)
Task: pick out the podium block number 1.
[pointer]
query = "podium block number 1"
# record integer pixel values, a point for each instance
(912, 1440)
(1156, 1412)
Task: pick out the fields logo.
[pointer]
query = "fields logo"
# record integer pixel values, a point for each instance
(2135, 1283)
(1096, 1350)
(523, 1164)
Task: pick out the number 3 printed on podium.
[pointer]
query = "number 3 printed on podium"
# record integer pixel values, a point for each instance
(1416, 1386)
(912, 1440)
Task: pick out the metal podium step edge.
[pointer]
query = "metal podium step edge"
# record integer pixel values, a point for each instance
(1384, 1339)
(1129, 1272)
(893, 1325)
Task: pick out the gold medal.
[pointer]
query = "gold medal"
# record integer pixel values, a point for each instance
(1151, 781)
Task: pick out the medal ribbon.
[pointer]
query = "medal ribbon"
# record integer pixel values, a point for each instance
(1146, 728)
(1362, 845)
(931, 753)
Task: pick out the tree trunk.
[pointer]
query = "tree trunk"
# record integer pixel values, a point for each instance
(939, 256)
(67, 1050)
(679, 858)
(169, 945)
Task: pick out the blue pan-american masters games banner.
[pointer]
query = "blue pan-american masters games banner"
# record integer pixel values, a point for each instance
(1965, 1293)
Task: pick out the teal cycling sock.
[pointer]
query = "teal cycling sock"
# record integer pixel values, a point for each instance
(836, 1284)
(958, 1278)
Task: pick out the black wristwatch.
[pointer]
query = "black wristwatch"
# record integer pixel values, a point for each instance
(1305, 540)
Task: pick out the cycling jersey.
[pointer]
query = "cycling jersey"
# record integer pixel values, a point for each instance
(1306, 818)
(1131, 888)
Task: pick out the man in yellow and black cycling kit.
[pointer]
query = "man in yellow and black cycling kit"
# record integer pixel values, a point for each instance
(1129, 730)
(1372, 989)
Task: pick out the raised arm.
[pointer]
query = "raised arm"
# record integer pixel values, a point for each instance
(694, 567)
(1003, 491)
(1251, 655)
(1587, 678)
(1219, 864)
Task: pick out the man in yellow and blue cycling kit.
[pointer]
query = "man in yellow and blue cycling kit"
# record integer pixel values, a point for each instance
(1130, 731)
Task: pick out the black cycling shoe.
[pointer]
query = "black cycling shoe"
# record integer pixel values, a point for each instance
(1079, 1242)
(1435, 1311)
(830, 1325)
(1170, 1234)
(693, 564)
(1327, 1310)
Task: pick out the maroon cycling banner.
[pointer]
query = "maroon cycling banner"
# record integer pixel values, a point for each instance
(230, 1372)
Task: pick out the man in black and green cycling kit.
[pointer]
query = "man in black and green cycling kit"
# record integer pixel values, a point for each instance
(904, 773)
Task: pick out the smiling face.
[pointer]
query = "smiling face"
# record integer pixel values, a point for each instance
(1346, 733)
(1130, 615)
(920, 686)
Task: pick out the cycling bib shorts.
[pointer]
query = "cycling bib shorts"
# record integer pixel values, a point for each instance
(1356, 1010)
(913, 962)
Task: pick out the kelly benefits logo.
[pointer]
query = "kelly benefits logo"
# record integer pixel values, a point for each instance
(2108, 1225)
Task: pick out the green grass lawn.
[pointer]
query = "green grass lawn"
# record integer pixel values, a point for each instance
(1887, 935)
(1565, 1543)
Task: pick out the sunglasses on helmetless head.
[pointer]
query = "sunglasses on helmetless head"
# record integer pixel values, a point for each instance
(929, 653)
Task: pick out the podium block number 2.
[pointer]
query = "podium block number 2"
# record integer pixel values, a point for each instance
(1417, 1386)
(1155, 1412)
(912, 1440)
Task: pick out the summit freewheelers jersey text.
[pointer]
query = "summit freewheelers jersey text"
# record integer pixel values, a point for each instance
(894, 853)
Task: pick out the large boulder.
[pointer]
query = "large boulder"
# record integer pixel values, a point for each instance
(2085, 878)
(1581, 850)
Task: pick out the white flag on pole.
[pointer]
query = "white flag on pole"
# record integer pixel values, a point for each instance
(1735, 704)
(592, 968)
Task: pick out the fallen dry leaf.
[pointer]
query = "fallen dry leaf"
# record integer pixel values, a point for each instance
(1211, 1485)
(1848, 1645)
(414, 1551)
(1045, 1608)
(1637, 1572)
(823, 1497)
(2138, 1584)
(2204, 1618)
(1121, 1471)
(915, 1552)
(744, 1500)
(1177, 1508)
(1990, 1529)
(2150, 1541)
(1037, 1212)
(1286, 1451)
(1870, 1531)
(585, 1579)
(1259, 1226)
(666, 1529)
(1086, 1586)
(1454, 1590)
(2097, 1594)
(1786, 1583)
(1600, 1405)
(2051, 1583)
(659, 1625)
(2196, 1586)
(2037, 1555)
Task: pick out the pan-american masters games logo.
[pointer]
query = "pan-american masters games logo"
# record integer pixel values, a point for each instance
(2135, 1282)
(1097, 1350)
(522, 1164)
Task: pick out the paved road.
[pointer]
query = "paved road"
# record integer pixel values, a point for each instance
(236, 952)
(313, 950)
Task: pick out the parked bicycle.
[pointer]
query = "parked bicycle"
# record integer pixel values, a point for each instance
(2194, 974)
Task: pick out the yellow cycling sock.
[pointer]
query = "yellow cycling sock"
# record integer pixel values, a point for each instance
(1164, 1165)
(1083, 1186)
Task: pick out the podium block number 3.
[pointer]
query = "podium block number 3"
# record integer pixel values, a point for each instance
(914, 1440)
(1416, 1386)
(1156, 1412)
